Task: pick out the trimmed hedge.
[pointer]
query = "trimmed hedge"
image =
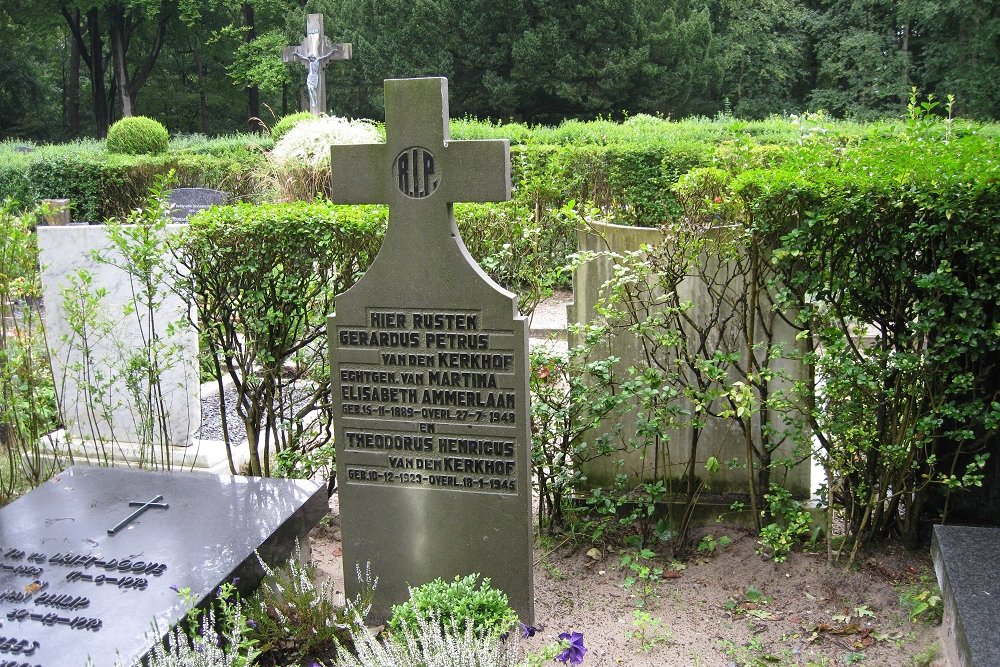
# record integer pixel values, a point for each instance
(103, 185)
(902, 235)
(286, 123)
(263, 278)
(137, 135)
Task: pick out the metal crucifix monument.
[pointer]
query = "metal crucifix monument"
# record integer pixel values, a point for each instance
(429, 361)
(315, 51)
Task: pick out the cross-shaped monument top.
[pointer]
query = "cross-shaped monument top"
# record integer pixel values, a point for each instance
(314, 52)
(419, 171)
(429, 361)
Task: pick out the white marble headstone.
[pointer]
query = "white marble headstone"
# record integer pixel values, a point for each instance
(64, 251)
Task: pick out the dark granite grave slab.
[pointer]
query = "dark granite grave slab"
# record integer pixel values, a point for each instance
(185, 202)
(968, 571)
(60, 586)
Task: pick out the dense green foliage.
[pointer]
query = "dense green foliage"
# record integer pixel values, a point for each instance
(28, 407)
(137, 135)
(461, 603)
(879, 250)
(263, 279)
(889, 226)
(216, 67)
(103, 185)
(288, 122)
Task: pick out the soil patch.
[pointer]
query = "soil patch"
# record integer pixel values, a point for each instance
(731, 609)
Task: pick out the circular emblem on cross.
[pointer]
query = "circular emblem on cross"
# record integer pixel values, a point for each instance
(416, 172)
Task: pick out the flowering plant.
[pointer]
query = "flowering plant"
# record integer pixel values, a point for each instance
(310, 142)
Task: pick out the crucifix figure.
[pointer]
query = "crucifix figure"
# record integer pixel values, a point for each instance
(315, 51)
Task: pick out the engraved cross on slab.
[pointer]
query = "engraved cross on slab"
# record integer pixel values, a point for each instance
(149, 504)
(314, 52)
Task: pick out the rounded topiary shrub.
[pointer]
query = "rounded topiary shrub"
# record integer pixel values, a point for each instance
(288, 122)
(460, 603)
(137, 135)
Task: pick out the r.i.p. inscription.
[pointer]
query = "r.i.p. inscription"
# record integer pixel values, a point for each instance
(429, 358)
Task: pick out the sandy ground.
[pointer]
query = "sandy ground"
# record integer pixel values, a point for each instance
(809, 614)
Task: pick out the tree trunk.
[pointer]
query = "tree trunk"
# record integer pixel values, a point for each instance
(116, 17)
(97, 74)
(73, 85)
(906, 57)
(200, 71)
(253, 93)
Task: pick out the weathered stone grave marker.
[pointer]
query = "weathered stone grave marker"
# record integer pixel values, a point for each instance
(429, 358)
(185, 202)
(314, 52)
(83, 574)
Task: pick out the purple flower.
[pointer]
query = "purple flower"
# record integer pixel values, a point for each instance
(527, 630)
(252, 623)
(174, 588)
(574, 653)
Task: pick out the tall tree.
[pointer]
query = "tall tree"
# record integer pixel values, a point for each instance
(685, 66)
(126, 18)
(860, 60)
(392, 39)
(482, 35)
(763, 56)
(89, 39)
(956, 49)
(581, 58)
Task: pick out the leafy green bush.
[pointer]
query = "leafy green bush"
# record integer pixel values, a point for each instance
(288, 122)
(263, 279)
(463, 603)
(102, 186)
(239, 145)
(885, 250)
(137, 135)
(28, 406)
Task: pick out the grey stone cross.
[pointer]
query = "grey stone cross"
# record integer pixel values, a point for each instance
(315, 51)
(413, 505)
(419, 172)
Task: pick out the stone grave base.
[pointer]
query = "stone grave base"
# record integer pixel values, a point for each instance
(968, 573)
(200, 456)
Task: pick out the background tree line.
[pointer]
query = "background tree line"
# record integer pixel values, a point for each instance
(69, 68)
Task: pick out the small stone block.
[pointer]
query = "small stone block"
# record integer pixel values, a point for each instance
(968, 571)
(59, 212)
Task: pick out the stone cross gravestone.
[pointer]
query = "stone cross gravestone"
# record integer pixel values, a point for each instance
(429, 361)
(92, 559)
(314, 52)
(185, 202)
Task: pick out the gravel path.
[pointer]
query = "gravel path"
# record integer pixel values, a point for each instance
(211, 417)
